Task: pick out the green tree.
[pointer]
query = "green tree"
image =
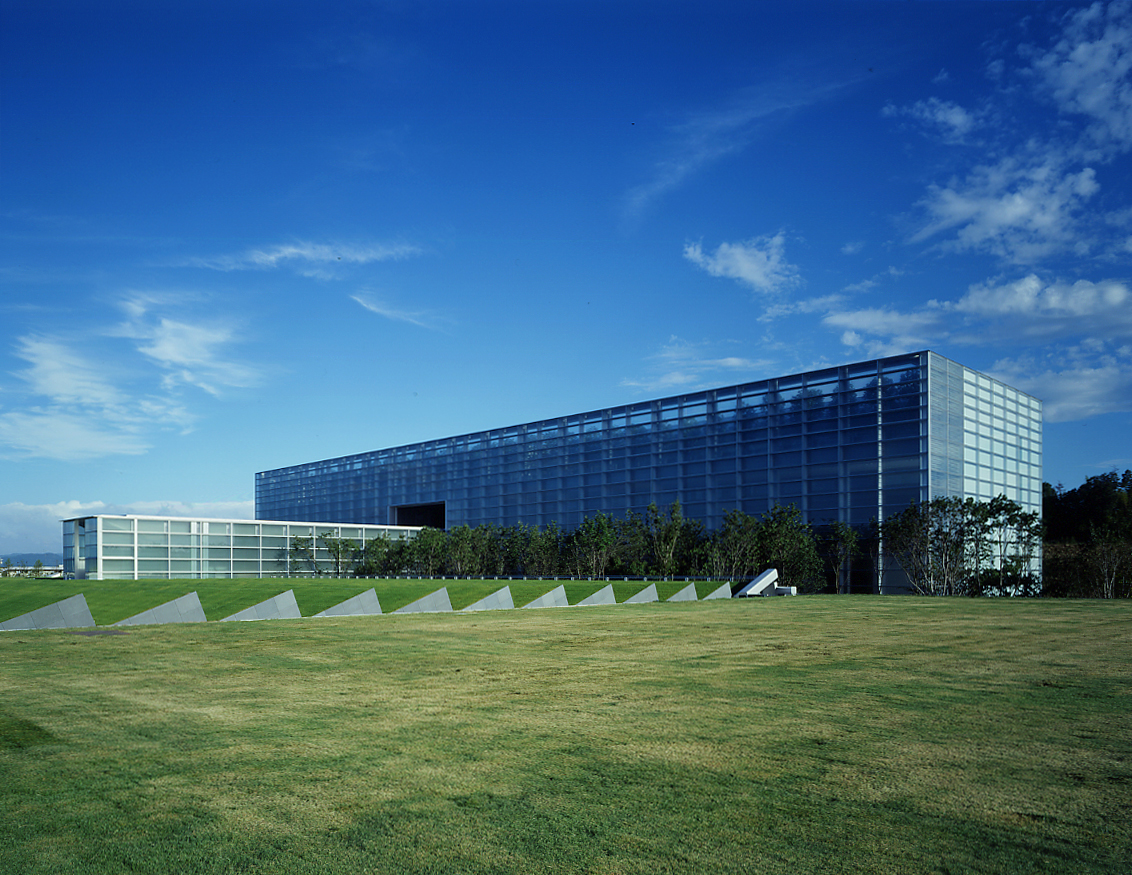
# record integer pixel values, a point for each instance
(674, 541)
(734, 549)
(787, 543)
(931, 541)
(301, 555)
(593, 545)
(545, 551)
(428, 551)
(841, 544)
(373, 557)
(1088, 545)
(467, 550)
(343, 553)
(960, 546)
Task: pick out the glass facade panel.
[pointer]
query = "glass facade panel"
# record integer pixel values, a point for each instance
(902, 415)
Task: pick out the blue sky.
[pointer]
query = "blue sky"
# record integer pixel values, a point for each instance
(238, 236)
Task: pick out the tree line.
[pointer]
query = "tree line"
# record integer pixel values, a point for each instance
(1088, 541)
(656, 543)
(945, 546)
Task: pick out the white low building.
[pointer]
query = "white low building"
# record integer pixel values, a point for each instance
(129, 547)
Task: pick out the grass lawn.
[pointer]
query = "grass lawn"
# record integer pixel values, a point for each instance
(113, 600)
(795, 735)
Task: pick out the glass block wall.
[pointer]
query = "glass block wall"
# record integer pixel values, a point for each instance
(136, 547)
(985, 437)
(849, 443)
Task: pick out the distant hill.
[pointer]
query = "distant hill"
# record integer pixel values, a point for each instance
(30, 558)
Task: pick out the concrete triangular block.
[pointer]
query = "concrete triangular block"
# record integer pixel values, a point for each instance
(281, 607)
(70, 613)
(687, 594)
(761, 585)
(500, 600)
(362, 605)
(603, 596)
(556, 598)
(186, 609)
(433, 603)
(646, 595)
(723, 592)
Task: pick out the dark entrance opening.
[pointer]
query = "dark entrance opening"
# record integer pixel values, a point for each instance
(419, 515)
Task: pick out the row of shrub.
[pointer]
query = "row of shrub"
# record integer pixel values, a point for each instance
(656, 543)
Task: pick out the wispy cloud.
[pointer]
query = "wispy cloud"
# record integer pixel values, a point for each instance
(189, 353)
(1019, 211)
(943, 118)
(374, 305)
(71, 408)
(72, 436)
(682, 365)
(759, 263)
(59, 373)
(1075, 381)
(807, 305)
(705, 137)
(125, 387)
(316, 260)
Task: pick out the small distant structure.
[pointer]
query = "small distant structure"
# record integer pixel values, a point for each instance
(766, 584)
(38, 570)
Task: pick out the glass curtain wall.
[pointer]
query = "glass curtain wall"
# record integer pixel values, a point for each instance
(847, 443)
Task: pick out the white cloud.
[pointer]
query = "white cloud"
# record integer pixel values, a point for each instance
(62, 375)
(759, 263)
(809, 305)
(35, 528)
(189, 353)
(1038, 307)
(1089, 72)
(71, 436)
(1074, 382)
(1021, 211)
(709, 136)
(76, 406)
(881, 331)
(309, 259)
(72, 411)
(1032, 196)
(951, 122)
(1023, 310)
(682, 365)
(419, 319)
(1084, 329)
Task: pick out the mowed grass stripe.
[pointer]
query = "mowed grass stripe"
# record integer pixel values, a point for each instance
(817, 734)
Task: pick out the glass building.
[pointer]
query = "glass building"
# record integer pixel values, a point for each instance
(851, 443)
(108, 547)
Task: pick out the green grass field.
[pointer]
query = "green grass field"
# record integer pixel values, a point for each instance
(815, 734)
(113, 600)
